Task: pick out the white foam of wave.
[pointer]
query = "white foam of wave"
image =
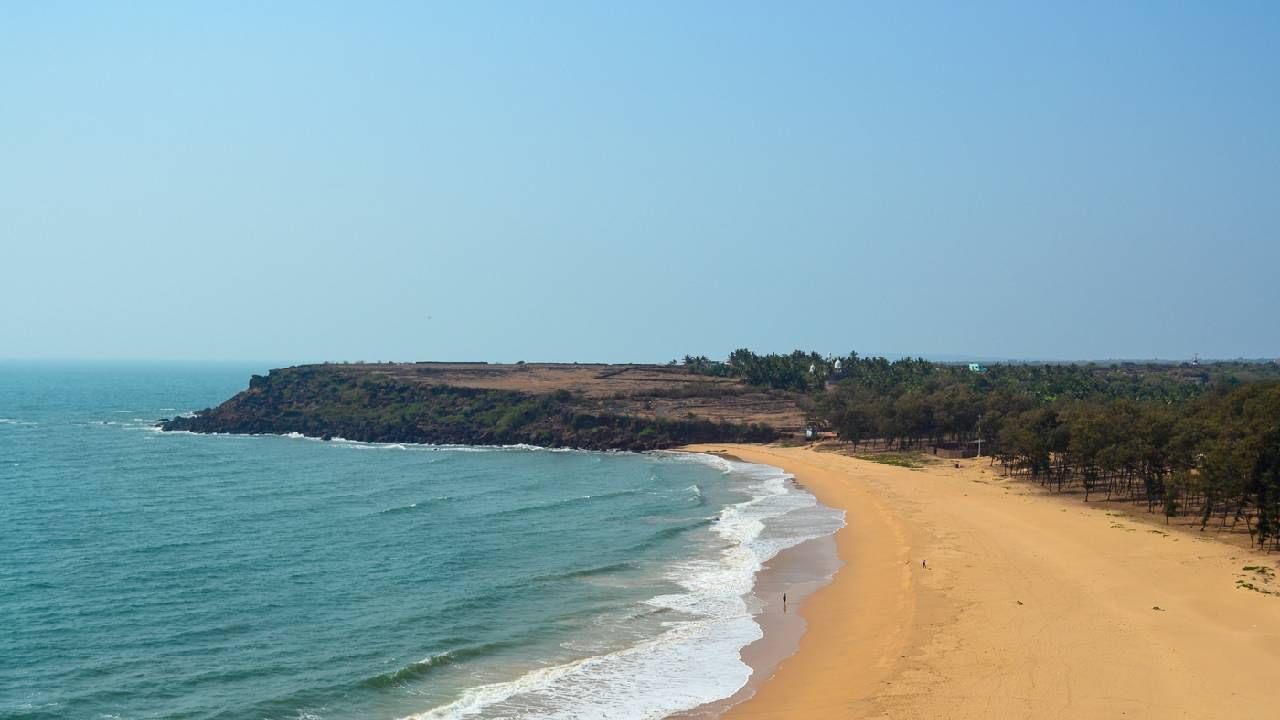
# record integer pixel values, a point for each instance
(364, 445)
(412, 506)
(723, 465)
(427, 447)
(130, 424)
(540, 448)
(356, 445)
(693, 661)
(431, 660)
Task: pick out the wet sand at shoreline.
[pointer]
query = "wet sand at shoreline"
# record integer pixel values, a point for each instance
(1030, 607)
(799, 572)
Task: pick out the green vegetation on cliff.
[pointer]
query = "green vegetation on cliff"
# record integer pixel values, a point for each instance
(329, 401)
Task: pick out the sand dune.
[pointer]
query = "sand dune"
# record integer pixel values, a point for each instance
(1030, 607)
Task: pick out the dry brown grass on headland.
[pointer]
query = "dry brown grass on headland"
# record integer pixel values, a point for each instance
(647, 391)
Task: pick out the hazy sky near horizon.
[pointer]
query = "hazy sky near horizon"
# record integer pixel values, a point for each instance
(637, 181)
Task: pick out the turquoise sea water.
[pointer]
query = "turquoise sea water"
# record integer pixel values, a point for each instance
(157, 575)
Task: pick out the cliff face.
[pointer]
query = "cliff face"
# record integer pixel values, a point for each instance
(359, 404)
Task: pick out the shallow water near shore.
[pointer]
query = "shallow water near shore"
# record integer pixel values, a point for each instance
(152, 575)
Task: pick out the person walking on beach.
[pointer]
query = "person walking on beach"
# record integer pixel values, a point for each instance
(784, 602)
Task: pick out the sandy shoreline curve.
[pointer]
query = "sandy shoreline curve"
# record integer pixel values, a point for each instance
(1029, 607)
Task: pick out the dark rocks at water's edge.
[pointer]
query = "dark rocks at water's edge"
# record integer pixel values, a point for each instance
(329, 401)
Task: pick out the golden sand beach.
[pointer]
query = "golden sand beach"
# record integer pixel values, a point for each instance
(1029, 607)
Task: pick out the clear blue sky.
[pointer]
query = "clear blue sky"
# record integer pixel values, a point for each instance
(636, 181)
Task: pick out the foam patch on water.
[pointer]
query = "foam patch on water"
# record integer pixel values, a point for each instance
(430, 447)
(693, 661)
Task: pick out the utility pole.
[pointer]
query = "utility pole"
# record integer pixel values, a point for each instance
(979, 434)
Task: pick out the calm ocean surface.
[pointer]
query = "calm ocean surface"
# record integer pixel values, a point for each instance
(153, 575)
